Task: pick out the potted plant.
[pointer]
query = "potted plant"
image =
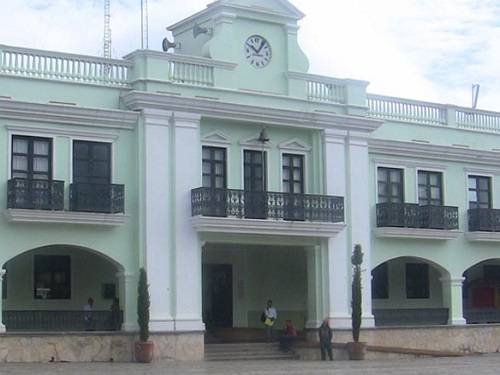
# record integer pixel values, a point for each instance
(356, 349)
(143, 347)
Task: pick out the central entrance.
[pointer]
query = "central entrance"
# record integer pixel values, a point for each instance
(218, 295)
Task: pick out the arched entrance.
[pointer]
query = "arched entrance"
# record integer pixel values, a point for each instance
(408, 291)
(48, 289)
(481, 292)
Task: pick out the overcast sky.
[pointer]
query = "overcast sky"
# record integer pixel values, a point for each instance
(430, 50)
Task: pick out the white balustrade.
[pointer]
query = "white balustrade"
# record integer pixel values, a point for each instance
(191, 74)
(324, 91)
(33, 63)
(478, 120)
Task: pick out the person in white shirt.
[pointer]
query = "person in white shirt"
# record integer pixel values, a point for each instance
(87, 314)
(270, 315)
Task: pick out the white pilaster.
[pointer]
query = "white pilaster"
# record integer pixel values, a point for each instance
(316, 284)
(188, 314)
(359, 219)
(452, 292)
(2, 274)
(156, 217)
(338, 247)
(127, 287)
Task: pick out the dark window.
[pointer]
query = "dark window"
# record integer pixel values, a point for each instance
(430, 190)
(380, 282)
(479, 192)
(255, 169)
(91, 162)
(293, 174)
(52, 277)
(390, 185)
(31, 158)
(214, 167)
(108, 291)
(417, 280)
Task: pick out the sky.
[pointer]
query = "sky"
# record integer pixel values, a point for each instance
(431, 50)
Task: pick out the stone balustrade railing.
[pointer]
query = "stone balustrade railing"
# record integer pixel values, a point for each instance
(406, 110)
(192, 74)
(326, 91)
(32, 63)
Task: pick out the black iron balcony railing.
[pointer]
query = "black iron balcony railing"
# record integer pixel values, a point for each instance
(484, 220)
(267, 205)
(411, 215)
(35, 194)
(99, 198)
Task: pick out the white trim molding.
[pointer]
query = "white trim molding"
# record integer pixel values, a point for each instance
(216, 138)
(417, 233)
(230, 225)
(53, 131)
(483, 236)
(64, 217)
(294, 144)
(254, 143)
(435, 167)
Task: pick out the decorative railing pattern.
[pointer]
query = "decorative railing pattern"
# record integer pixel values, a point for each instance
(266, 205)
(478, 120)
(484, 220)
(99, 198)
(411, 215)
(410, 317)
(35, 194)
(62, 320)
(191, 74)
(324, 91)
(406, 110)
(33, 63)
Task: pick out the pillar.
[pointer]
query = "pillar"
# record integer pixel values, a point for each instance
(453, 298)
(338, 247)
(127, 288)
(155, 217)
(316, 283)
(188, 247)
(2, 274)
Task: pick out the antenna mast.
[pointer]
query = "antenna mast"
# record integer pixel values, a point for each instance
(144, 25)
(107, 30)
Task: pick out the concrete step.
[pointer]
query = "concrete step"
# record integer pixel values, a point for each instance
(245, 351)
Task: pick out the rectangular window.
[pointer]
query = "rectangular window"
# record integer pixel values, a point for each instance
(52, 277)
(214, 167)
(430, 190)
(254, 170)
(91, 162)
(380, 282)
(479, 192)
(293, 174)
(390, 185)
(31, 158)
(417, 280)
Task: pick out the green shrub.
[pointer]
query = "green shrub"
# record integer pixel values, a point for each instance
(356, 261)
(143, 306)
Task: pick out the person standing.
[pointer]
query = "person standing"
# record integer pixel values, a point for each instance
(325, 340)
(270, 315)
(289, 334)
(87, 314)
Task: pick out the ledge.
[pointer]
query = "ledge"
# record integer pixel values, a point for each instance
(266, 227)
(64, 217)
(417, 233)
(483, 236)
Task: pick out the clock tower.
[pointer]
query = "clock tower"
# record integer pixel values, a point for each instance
(259, 36)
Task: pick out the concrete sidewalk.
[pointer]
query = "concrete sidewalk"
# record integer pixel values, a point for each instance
(484, 365)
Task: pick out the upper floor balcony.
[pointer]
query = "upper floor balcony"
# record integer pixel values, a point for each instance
(484, 220)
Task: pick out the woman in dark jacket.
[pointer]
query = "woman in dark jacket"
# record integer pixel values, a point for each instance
(325, 340)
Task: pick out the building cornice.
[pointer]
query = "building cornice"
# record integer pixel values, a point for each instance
(66, 114)
(483, 236)
(434, 152)
(138, 100)
(64, 217)
(417, 233)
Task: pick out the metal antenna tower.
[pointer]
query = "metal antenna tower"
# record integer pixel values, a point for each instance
(144, 25)
(107, 30)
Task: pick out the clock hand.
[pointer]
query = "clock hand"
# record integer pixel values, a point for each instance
(252, 47)
(262, 44)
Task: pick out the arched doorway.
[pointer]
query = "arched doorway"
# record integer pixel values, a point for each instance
(481, 292)
(49, 288)
(408, 291)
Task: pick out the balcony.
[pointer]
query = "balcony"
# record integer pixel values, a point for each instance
(97, 198)
(267, 205)
(410, 220)
(35, 194)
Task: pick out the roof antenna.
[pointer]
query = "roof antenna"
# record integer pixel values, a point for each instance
(144, 25)
(107, 30)
(475, 95)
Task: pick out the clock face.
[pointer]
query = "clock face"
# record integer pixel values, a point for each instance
(258, 51)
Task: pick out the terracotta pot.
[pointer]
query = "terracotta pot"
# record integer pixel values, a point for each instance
(356, 350)
(144, 351)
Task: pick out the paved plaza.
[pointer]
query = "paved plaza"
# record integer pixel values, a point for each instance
(484, 365)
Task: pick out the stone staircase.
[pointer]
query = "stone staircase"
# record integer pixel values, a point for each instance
(246, 351)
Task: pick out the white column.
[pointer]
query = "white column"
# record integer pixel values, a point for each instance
(188, 314)
(453, 298)
(338, 247)
(316, 284)
(127, 287)
(2, 274)
(156, 217)
(359, 220)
